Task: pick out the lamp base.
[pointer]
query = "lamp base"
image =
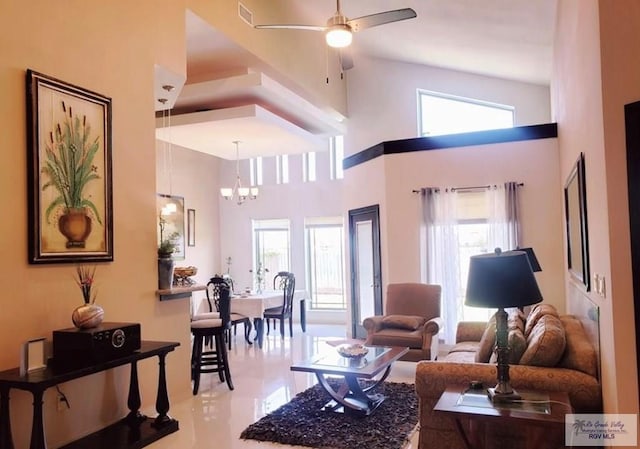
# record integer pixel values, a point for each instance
(496, 396)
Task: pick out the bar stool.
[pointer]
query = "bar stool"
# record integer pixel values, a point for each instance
(216, 360)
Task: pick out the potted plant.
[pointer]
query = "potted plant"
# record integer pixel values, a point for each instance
(166, 248)
(69, 167)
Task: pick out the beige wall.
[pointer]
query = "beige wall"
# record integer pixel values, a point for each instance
(534, 163)
(110, 48)
(195, 177)
(378, 115)
(596, 73)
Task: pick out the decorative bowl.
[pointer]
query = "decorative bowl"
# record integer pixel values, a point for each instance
(185, 272)
(352, 351)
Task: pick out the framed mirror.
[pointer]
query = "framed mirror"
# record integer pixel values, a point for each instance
(575, 208)
(170, 211)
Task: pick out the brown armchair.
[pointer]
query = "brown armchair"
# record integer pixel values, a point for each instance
(412, 319)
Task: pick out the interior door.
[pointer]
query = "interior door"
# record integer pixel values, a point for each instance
(366, 270)
(632, 130)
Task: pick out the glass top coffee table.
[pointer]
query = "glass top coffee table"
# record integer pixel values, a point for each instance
(347, 393)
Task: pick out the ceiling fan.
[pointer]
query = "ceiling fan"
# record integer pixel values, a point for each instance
(339, 29)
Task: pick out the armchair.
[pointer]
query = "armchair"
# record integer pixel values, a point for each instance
(412, 319)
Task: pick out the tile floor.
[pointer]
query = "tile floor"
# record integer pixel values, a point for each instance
(263, 382)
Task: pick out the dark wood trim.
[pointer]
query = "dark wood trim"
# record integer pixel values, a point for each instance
(632, 130)
(355, 215)
(519, 133)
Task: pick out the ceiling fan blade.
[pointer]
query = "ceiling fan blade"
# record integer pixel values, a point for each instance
(346, 58)
(290, 27)
(361, 23)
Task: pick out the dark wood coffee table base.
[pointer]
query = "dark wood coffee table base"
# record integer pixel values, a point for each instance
(350, 397)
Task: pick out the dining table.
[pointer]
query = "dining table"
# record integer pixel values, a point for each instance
(254, 304)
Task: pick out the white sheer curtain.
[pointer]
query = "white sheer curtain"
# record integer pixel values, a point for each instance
(442, 249)
(441, 252)
(504, 228)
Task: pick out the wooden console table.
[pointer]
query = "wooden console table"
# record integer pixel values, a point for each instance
(133, 431)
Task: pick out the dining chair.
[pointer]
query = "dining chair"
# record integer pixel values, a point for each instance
(212, 291)
(215, 360)
(287, 282)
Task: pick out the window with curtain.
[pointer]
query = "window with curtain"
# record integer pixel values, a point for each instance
(271, 246)
(457, 224)
(325, 263)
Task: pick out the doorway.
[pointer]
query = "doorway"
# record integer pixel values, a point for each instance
(632, 130)
(366, 266)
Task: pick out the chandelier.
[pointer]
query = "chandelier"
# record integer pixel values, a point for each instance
(241, 194)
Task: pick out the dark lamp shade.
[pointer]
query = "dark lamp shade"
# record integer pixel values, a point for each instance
(501, 280)
(533, 260)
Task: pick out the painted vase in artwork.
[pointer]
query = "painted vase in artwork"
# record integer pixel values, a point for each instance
(75, 225)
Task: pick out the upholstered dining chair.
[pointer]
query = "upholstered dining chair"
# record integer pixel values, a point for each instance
(412, 319)
(285, 281)
(215, 360)
(212, 291)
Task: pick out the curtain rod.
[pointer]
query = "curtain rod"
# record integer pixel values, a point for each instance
(453, 189)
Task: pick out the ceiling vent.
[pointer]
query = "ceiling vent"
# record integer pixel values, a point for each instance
(245, 14)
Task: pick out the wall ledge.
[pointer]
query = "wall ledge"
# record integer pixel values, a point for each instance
(515, 134)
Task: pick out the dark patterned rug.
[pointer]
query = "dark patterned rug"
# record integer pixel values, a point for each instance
(301, 422)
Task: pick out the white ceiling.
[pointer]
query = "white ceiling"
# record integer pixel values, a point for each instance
(504, 38)
(509, 39)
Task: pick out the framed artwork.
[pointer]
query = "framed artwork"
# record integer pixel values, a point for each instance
(69, 172)
(170, 210)
(575, 206)
(191, 227)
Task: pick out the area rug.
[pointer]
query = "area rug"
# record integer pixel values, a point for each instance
(301, 422)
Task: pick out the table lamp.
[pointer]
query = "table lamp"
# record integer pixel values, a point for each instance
(501, 280)
(533, 260)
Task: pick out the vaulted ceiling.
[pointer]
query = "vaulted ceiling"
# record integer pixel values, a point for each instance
(509, 39)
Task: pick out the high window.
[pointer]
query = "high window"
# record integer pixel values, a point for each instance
(336, 152)
(282, 169)
(309, 167)
(447, 114)
(271, 246)
(325, 263)
(255, 171)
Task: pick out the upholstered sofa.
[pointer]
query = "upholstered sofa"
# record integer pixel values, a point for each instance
(552, 354)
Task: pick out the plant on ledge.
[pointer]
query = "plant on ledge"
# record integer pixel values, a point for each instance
(169, 245)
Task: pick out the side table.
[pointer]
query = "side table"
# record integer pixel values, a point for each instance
(541, 420)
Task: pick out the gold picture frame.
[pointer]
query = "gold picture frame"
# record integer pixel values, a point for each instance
(69, 172)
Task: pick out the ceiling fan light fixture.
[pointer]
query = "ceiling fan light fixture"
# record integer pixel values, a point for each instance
(339, 36)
